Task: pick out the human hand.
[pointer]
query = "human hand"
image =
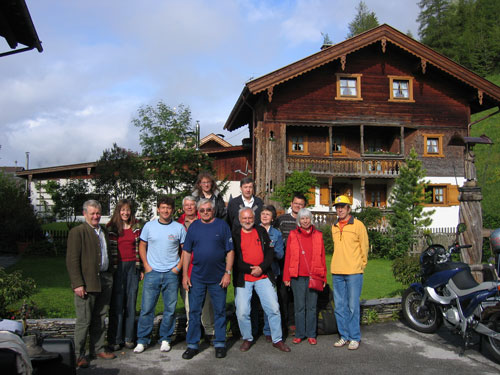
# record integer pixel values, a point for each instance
(256, 271)
(226, 280)
(287, 283)
(186, 283)
(80, 291)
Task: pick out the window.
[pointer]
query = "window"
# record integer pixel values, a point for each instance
(297, 144)
(348, 86)
(442, 195)
(433, 145)
(338, 146)
(375, 196)
(401, 89)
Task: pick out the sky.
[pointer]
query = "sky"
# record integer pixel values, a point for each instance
(103, 60)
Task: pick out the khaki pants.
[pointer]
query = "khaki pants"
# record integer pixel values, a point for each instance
(90, 314)
(207, 314)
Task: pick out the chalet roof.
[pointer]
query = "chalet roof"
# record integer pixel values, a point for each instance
(384, 34)
(16, 26)
(215, 138)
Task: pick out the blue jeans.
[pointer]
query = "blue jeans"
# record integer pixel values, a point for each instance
(305, 301)
(269, 301)
(346, 293)
(123, 301)
(197, 294)
(155, 283)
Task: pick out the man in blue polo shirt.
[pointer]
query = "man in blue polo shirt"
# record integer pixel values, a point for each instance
(209, 243)
(161, 240)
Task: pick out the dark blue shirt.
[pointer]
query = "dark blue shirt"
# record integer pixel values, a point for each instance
(208, 244)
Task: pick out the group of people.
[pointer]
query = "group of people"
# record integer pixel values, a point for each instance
(270, 259)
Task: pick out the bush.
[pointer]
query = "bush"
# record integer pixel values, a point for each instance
(381, 244)
(327, 238)
(13, 287)
(43, 247)
(406, 270)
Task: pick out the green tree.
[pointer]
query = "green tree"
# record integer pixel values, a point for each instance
(406, 201)
(168, 141)
(68, 198)
(297, 182)
(18, 221)
(120, 174)
(466, 31)
(363, 21)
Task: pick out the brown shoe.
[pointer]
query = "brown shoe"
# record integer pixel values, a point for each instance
(282, 346)
(82, 362)
(269, 338)
(106, 355)
(245, 345)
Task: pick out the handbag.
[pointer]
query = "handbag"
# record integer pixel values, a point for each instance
(314, 283)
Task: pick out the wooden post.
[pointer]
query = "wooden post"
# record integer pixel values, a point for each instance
(363, 192)
(361, 139)
(402, 141)
(470, 213)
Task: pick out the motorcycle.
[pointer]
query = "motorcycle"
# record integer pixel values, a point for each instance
(449, 294)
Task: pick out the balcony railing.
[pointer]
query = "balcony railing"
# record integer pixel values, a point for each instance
(386, 168)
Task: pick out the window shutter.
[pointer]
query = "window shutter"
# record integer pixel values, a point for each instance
(324, 193)
(311, 196)
(453, 195)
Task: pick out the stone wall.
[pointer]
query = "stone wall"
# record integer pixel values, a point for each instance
(371, 311)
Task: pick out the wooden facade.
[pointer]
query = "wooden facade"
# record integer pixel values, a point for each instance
(352, 112)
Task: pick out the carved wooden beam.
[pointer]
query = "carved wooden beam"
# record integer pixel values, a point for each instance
(423, 64)
(342, 61)
(270, 94)
(383, 42)
(480, 97)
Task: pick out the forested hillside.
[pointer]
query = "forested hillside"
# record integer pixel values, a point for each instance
(488, 161)
(467, 31)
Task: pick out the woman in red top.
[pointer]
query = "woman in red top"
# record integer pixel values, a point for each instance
(124, 233)
(304, 257)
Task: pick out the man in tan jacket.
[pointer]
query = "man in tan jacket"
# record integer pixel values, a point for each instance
(90, 271)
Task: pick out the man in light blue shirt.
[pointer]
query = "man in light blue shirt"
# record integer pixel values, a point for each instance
(161, 242)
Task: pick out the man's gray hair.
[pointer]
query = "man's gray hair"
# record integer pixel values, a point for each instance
(92, 203)
(244, 209)
(188, 198)
(304, 212)
(203, 201)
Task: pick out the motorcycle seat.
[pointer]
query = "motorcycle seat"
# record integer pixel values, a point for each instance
(487, 285)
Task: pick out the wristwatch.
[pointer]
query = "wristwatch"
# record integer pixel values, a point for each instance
(228, 272)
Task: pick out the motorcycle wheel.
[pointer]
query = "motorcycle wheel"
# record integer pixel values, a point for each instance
(493, 345)
(426, 320)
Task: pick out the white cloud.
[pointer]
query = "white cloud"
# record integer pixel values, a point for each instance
(104, 59)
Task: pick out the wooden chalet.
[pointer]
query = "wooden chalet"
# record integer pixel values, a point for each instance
(352, 112)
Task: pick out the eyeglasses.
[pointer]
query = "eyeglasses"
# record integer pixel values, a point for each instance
(203, 210)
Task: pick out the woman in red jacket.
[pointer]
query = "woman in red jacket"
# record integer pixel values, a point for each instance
(304, 257)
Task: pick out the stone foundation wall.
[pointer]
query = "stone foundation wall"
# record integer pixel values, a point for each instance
(371, 311)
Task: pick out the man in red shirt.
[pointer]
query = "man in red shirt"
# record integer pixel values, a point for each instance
(253, 259)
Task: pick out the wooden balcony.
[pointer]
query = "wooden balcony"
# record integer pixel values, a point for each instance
(365, 167)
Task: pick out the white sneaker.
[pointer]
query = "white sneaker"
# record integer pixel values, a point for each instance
(139, 348)
(340, 342)
(165, 346)
(353, 345)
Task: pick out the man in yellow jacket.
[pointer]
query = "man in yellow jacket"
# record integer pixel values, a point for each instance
(350, 255)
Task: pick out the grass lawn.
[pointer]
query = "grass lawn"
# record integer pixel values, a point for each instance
(55, 298)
